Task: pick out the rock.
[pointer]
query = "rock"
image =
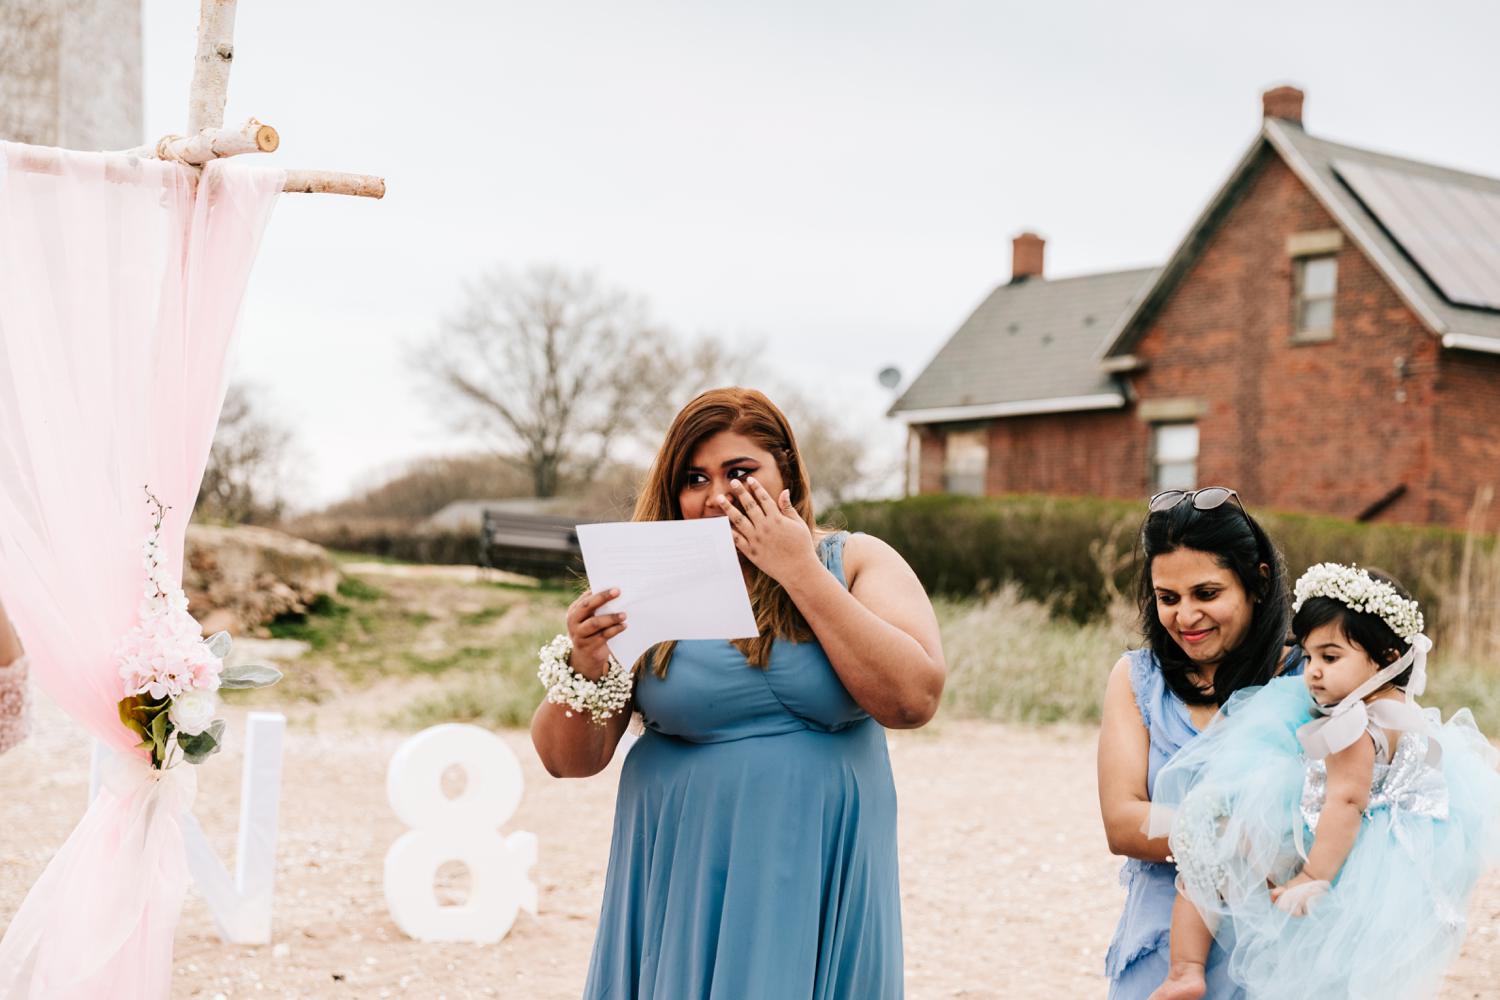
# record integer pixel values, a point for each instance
(220, 620)
(238, 579)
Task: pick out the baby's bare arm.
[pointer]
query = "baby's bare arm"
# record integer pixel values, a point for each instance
(1349, 774)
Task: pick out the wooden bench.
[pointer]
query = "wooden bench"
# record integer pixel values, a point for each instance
(539, 545)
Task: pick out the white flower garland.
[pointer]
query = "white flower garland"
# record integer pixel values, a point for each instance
(601, 700)
(1361, 592)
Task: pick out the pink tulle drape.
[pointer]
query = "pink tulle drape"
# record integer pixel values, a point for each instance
(120, 283)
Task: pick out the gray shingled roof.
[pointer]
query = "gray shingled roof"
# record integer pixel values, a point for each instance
(1313, 161)
(1032, 340)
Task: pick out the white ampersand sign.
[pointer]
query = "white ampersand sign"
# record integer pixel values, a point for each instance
(465, 828)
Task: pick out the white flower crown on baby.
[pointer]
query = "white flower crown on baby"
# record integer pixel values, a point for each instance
(1356, 588)
(1339, 726)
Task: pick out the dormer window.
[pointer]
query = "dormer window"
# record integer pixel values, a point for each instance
(1315, 281)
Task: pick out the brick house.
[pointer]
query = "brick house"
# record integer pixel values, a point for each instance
(1325, 339)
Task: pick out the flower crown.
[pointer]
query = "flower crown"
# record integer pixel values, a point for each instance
(1359, 591)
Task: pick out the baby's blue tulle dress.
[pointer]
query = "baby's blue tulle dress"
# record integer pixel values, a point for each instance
(1242, 803)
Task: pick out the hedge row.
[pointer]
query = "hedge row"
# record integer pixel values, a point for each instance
(1063, 550)
(1067, 552)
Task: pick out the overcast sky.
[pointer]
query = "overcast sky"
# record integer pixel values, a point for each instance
(838, 180)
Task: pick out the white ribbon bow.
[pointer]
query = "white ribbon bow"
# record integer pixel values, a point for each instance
(1341, 726)
(123, 774)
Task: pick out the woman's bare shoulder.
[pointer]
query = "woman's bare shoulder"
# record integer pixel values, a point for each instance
(863, 552)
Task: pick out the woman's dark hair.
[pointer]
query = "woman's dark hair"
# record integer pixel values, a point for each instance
(1365, 629)
(1238, 544)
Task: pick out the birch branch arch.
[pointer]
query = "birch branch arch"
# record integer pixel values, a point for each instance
(208, 139)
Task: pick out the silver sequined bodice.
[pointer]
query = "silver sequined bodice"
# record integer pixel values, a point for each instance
(1409, 782)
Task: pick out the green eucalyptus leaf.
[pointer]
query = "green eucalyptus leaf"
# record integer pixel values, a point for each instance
(218, 644)
(199, 756)
(159, 724)
(160, 731)
(129, 720)
(197, 749)
(137, 713)
(248, 675)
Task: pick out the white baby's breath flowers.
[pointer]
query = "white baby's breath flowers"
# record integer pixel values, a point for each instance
(601, 700)
(1360, 591)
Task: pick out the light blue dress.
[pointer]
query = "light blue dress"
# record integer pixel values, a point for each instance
(1244, 804)
(754, 851)
(1136, 962)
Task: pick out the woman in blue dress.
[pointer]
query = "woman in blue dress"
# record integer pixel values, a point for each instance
(1214, 613)
(754, 846)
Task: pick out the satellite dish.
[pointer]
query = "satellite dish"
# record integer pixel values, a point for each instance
(890, 377)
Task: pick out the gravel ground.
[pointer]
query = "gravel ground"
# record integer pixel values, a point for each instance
(1008, 889)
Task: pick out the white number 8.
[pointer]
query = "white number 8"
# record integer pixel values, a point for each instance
(464, 828)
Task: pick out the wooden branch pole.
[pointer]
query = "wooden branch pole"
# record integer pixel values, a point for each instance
(211, 68)
(330, 182)
(196, 150)
(207, 139)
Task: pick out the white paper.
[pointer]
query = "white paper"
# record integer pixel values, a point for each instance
(677, 580)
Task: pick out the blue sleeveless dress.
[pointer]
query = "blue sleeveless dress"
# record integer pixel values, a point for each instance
(754, 850)
(1137, 960)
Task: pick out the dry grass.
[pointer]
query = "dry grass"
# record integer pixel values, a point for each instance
(1011, 659)
(472, 645)
(1471, 628)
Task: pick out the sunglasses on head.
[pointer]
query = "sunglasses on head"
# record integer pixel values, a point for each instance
(1207, 498)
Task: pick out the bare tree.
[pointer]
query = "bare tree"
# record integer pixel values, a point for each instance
(834, 456)
(559, 369)
(424, 486)
(245, 478)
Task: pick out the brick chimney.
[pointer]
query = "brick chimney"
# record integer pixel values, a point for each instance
(1026, 257)
(1284, 103)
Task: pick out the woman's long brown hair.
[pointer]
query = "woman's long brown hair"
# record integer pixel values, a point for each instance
(750, 413)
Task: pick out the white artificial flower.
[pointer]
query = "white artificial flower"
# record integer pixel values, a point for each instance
(193, 711)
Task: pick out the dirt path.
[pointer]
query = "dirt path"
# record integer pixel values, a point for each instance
(1007, 887)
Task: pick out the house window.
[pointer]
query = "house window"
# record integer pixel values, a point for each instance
(965, 461)
(1315, 278)
(1174, 457)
